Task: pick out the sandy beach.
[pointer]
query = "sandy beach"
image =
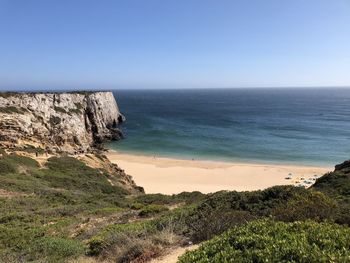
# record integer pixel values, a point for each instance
(171, 176)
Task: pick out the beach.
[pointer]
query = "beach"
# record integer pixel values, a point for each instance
(172, 176)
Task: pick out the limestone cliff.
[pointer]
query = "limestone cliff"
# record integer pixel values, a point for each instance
(68, 122)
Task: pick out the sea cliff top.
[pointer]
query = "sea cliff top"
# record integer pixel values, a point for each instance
(5, 94)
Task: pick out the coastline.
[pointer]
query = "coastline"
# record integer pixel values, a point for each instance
(171, 176)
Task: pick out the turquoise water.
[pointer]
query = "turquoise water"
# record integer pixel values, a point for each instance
(296, 126)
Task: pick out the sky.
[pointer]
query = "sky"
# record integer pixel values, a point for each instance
(173, 43)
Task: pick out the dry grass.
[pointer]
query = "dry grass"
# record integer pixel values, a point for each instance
(139, 248)
(9, 194)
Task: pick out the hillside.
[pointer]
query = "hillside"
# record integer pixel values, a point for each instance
(64, 209)
(336, 183)
(62, 200)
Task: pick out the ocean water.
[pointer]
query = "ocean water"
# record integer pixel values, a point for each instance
(290, 126)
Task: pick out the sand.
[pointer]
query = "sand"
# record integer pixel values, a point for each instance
(173, 255)
(172, 176)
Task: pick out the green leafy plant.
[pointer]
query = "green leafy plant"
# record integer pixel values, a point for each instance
(269, 241)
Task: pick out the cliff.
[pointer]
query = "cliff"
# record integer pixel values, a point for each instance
(68, 122)
(336, 183)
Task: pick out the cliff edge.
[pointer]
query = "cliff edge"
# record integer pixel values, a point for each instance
(73, 122)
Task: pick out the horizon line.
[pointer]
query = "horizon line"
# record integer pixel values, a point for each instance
(68, 89)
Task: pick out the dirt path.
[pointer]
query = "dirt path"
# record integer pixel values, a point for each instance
(174, 254)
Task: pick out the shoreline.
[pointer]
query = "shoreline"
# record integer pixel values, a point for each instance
(171, 176)
(223, 161)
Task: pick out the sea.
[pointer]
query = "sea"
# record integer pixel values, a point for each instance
(304, 126)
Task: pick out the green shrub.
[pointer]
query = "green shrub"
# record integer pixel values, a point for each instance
(7, 167)
(70, 173)
(57, 249)
(259, 203)
(268, 241)
(151, 210)
(136, 206)
(205, 225)
(160, 199)
(223, 210)
(107, 211)
(22, 160)
(96, 246)
(66, 163)
(337, 185)
(311, 205)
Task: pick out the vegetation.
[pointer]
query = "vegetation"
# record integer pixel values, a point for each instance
(337, 185)
(32, 149)
(64, 210)
(310, 205)
(60, 109)
(151, 210)
(45, 205)
(11, 109)
(269, 241)
(160, 199)
(9, 94)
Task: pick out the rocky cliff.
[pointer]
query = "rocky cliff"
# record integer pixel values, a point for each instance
(68, 122)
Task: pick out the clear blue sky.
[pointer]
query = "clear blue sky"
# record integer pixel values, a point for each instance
(174, 43)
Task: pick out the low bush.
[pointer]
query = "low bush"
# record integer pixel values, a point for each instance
(107, 211)
(269, 241)
(7, 167)
(151, 210)
(223, 210)
(115, 234)
(205, 225)
(22, 160)
(136, 206)
(57, 249)
(160, 199)
(311, 205)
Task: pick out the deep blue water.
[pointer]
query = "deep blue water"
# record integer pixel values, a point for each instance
(302, 126)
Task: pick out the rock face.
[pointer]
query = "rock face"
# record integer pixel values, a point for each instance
(68, 122)
(345, 166)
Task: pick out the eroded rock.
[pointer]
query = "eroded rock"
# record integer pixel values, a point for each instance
(67, 122)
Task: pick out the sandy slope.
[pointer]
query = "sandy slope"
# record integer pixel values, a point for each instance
(169, 176)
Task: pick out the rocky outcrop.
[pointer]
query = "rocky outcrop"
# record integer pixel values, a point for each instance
(344, 166)
(67, 122)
